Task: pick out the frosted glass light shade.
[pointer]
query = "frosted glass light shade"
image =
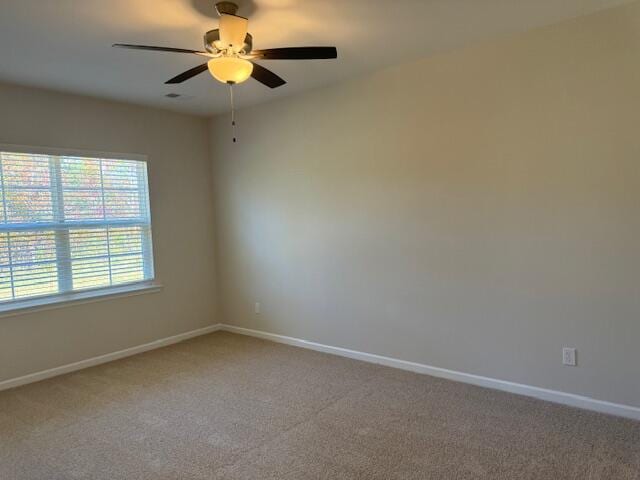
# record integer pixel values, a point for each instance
(230, 69)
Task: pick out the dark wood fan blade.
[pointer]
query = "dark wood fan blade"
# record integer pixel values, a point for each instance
(266, 76)
(158, 49)
(192, 72)
(296, 53)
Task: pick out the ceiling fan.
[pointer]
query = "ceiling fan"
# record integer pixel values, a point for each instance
(229, 49)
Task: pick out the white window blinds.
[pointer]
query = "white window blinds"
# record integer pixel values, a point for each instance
(72, 223)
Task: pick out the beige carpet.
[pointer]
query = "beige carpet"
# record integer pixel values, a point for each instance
(226, 406)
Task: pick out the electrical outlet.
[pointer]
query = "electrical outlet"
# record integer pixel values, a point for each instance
(569, 356)
(257, 308)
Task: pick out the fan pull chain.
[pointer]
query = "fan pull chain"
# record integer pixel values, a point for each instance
(233, 113)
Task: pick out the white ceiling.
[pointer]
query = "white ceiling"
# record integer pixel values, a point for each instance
(66, 44)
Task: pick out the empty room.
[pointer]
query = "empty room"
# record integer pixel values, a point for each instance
(311, 239)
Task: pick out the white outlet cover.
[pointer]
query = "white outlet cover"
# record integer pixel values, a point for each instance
(569, 356)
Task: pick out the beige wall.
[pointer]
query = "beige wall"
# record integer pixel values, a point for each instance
(475, 211)
(181, 210)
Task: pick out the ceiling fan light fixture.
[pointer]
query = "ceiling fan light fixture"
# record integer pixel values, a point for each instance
(230, 54)
(230, 69)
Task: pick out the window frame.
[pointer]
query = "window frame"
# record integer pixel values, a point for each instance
(56, 300)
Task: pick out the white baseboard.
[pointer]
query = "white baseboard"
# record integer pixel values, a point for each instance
(518, 388)
(564, 398)
(109, 357)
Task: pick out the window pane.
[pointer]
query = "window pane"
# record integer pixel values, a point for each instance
(30, 280)
(27, 188)
(33, 263)
(90, 242)
(122, 205)
(32, 246)
(125, 240)
(90, 258)
(83, 205)
(120, 174)
(80, 172)
(28, 206)
(82, 189)
(21, 170)
(128, 268)
(100, 257)
(90, 273)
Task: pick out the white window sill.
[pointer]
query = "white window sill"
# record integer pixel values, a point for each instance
(75, 298)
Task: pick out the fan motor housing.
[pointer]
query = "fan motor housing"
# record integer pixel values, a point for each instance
(212, 39)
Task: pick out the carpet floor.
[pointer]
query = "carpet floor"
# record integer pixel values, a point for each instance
(226, 406)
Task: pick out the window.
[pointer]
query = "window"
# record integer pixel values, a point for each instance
(71, 223)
